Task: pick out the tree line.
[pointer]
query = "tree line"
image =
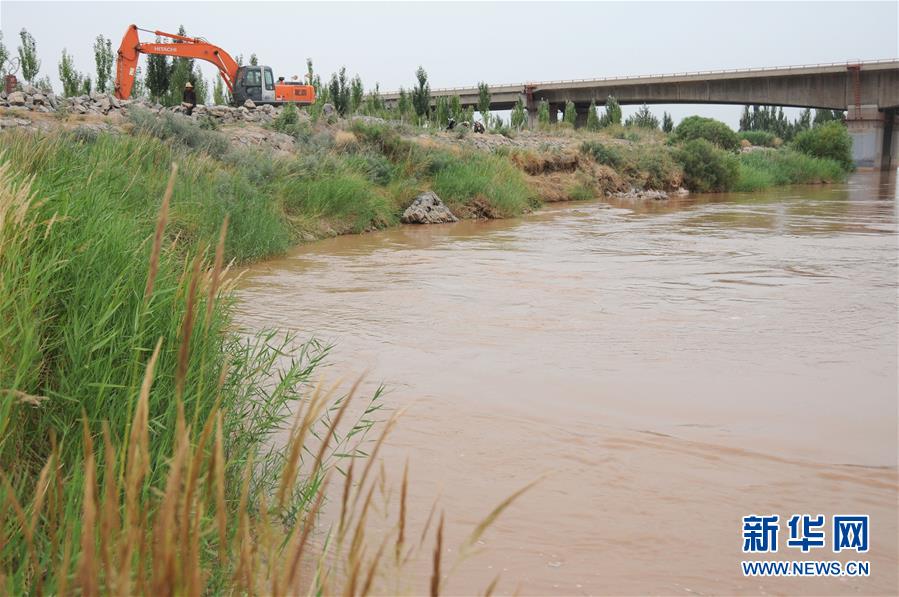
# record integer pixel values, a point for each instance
(165, 78)
(771, 119)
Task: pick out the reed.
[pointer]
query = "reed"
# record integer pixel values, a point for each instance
(136, 437)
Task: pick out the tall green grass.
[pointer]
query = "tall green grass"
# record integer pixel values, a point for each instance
(648, 166)
(471, 182)
(115, 331)
(136, 428)
(472, 177)
(759, 170)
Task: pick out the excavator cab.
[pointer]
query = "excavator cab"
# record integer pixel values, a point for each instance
(258, 84)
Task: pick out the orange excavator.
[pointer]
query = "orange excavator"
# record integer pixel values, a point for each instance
(252, 82)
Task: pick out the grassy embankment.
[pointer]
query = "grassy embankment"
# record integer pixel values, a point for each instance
(703, 155)
(134, 425)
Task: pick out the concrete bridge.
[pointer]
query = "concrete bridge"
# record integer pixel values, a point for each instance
(868, 91)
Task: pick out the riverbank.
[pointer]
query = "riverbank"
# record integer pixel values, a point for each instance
(288, 180)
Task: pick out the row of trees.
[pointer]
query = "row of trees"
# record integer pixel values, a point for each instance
(771, 119)
(163, 82)
(165, 79)
(27, 60)
(76, 83)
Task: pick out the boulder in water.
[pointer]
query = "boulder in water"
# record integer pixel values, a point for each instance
(428, 209)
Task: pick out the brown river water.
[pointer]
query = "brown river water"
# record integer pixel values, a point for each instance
(666, 368)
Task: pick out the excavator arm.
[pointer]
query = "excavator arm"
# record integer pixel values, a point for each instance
(185, 47)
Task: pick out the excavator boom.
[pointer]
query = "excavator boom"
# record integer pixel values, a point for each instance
(185, 47)
(194, 47)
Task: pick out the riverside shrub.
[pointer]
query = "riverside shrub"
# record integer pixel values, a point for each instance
(713, 131)
(706, 167)
(830, 140)
(759, 138)
(602, 153)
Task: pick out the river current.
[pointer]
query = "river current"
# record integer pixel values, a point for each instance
(665, 368)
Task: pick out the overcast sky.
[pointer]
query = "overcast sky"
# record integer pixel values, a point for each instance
(463, 43)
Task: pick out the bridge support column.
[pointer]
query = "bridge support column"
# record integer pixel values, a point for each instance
(872, 136)
(889, 153)
(531, 105)
(580, 120)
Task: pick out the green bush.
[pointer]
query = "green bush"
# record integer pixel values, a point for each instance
(288, 122)
(759, 138)
(606, 155)
(713, 131)
(830, 140)
(706, 167)
(178, 129)
(656, 167)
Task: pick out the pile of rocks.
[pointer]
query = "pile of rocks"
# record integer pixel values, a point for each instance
(32, 99)
(649, 194)
(428, 209)
(249, 112)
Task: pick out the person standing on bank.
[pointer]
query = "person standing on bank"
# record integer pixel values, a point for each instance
(189, 98)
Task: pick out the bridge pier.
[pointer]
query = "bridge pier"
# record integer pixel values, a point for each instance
(531, 106)
(873, 132)
(581, 113)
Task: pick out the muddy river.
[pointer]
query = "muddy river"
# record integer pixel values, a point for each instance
(666, 368)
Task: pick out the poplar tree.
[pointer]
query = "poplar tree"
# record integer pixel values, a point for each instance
(455, 108)
(357, 93)
(421, 95)
(484, 101)
(103, 60)
(667, 122)
(442, 111)
(746, 119)
(182, 71)
(593, 118)
(339, 91)
(310, 74)
(219, 96)
(158, 72)
(71, 78)
(613, 112)
(519, 115)
(374, 104)
(543, 112)
(28, 59)
(403, 105)
(139, 89)
(4, 55)
(570, 114)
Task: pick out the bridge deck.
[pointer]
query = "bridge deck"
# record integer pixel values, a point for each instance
(690, 86)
